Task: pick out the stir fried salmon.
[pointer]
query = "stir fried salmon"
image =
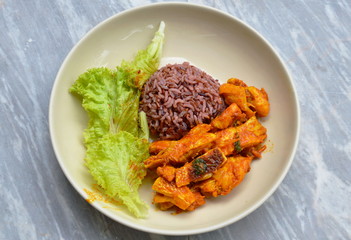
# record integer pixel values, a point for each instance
(229, 116)
(235, 139)
(211, 159)
(182, 150)
(167, 172)
(200, 168)
(236, 82)
(165, 202)
(182, 197)
(159, 146)
(249, 99)
(236, 94)
(259, 99)
(251, 133)
(227, 177)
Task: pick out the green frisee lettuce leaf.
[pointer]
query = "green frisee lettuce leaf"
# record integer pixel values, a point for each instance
(116, 162)
(116, 135)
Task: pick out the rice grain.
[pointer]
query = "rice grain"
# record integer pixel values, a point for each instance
(178, 97)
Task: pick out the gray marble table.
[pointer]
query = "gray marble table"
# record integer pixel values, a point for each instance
(314, 200)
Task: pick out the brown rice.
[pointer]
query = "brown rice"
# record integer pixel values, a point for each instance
(177, 97)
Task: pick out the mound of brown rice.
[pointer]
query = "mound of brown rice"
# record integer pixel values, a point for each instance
(177, 97)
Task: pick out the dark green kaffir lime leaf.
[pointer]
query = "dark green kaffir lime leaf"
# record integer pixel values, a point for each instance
(199, 166)
(237, 146)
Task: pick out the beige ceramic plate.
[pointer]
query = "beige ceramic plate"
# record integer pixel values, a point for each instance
(214, 41)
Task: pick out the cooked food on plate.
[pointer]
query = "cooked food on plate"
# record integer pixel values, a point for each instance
(204, 135)
(211, 159)
(177, 97)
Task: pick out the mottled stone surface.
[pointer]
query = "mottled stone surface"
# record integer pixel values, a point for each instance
(314, 200)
